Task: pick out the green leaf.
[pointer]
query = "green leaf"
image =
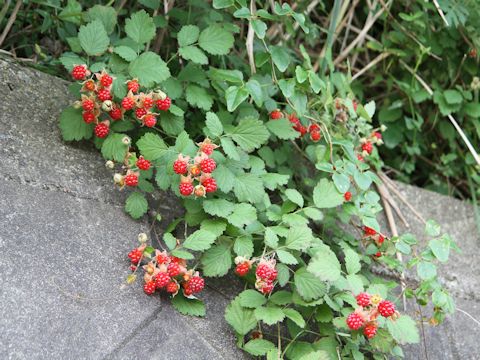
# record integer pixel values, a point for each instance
(281, 297)
(214, 124)
(273, 181)
(200, 240)
(250, 134)
(113, 147)
(217, 260)
(240, 318)
(313, 213)
(282, 128)
(225, 178)
(316, 355)
(352, 261)
(453, 96)
(136, 205)
(72, 12)
(182, 254)
(140, 27)
(294, 196)
(218, 207)
(255, 90)
(295, 316)
(316, 83)
(404, 330)
(222, 4)
(298, 238)
(72, 125)
(194, 54)
(93, 38)
(249, 188)
(215, 226)
(342, 182)
(235, 95)
(243, 214)
(426, 270)
(287, 87)
(286, 258)
(151, 4)
(269, 314)
(126, 53)
(233, 76)
(230, 149)
(259, 27)
(441, 247)
(170, 241)
(188, 35)
(216, 40)
(251, 298)
(307, 285)
(151, 146)
(149, 69)
(243, 246)
(432, 228)
(280, 57)
(325, 265)
(198, 97)
(192, 307)
(325, 195)
(271, 238)
(106, 14)
(258, 347)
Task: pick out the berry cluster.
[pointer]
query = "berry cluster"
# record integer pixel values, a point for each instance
(266, 274)
(97, 99)
(370, 307)
(375, 138)
(378, 239)
(198, 169)
(313, 129)
(165, 272)
(132, 167)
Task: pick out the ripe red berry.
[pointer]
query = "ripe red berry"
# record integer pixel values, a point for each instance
(313, 127)
(172, 287)
(135, 255)
(147, 102)
(104, 95)
(88, 117)
(88, 105)
(386, 308)
(128, 103)
(378, 135)
(140, 112)
(116, 113)
(186, 188)
(162, 258)
(164, 105)
(79, 72)
(106, 80)
(196, 284)
(131, 180)
(367, 147)
(149, 120)
(264, 271)
(242, 269)
(276, 114)
(355, 321)
(347, 196)
(267, 288)
(370, 330)
(149, 287)
(210, 185)
(143, 164)
(101, 130)
(378, 254)
(180, 167)
(207, 149)
(208, 165)
(315, 135)
(161, 280)
(173, 269)
(363, 299)
(133, 86)
(369, 231)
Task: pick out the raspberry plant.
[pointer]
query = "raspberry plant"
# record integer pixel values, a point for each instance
(274, 165)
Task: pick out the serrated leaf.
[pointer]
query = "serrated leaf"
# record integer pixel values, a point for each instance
(307, 285)
(240, 318)
(151, 146)
(125, 52)
(249, 188)
(225, 178)
(214, 124)
(72, 125)
(255, 90)
(243, 214)
(273, 181)
(259, 27)
(113, 148)
(258, 347)
(286, 258)
(294, 196)
(295, 316)
(230, 149)
(243, 246)
(72, 12)
(217, 260)
(432, 228)
(93, 38)
(271, 238)
(198, 97)
(325, 195)
(404, 330)
(325, 265)
(136, 205)
(216, 40)
(218, 207)
(215, 226)
(149, 69)
(313, 213)
(251, 298)
(194, 54)
(269, 314)
(106, 14)
(188, 35)
(140, 27)
(352, 261)
(282, 128)
(298, 238)
(235, 95)
(200, 240)
(250, 134)
(185, 306)
(316, 355)
(182, 254)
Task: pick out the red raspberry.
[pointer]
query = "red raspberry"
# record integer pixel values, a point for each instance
(173, 269)
(180, 167)
(172, 287)
(143, 164)
(381, 239)
(88, 117)
(195, 284)
(360, 158)
(106, 80)
(128, 103)
(164, 105)
(208, 165)
(102, 130)
(313, 127)
(149, 120)
(89, 85)
(210, 185)
(378, 254)
(302, 130)
(162, 259)
(161, 280)
(135, 255)
(370, 330)
(264, 272)
(104, 95)
(133, 267)
(242, 269)
(293, 118)
(88, 105)
(267, 288)
(355, 321)
(363, 299)
(116, 113)
(377, 135)
(347, 196)
(147, 102)
(149, 287)
(315, 135)
(386, 308)
(207, 149)
(133, 86)
(140, 112)
(79, 72)
(186, 188)
(367, 147)
(131, 180)
(369, 231)
(276, 114)
(175, 259)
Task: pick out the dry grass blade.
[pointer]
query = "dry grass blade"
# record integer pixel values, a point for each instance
(440, 11)
(371, 64)
(250, 38)
(10, 21)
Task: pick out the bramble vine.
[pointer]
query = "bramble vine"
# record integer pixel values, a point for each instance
(274, 173)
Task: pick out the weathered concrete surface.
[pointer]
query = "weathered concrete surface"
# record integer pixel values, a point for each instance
(63, 244)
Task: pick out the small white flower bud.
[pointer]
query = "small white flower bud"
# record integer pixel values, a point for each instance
(383, 128)
(142, 237)
(126, 140)
(118, 178)
(110, 164)
(107, 105)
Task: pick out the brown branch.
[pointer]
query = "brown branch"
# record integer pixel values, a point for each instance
(10, 21)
